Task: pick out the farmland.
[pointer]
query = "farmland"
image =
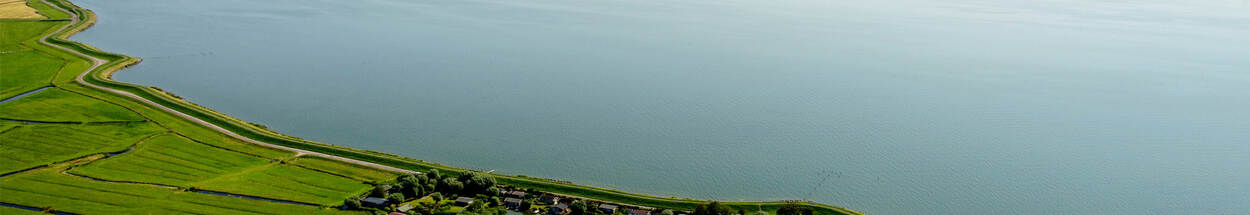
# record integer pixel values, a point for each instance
(57, 105)
(344, 169)
(17, 9)
(25, 69)
(49, 188)
(171, 160)
(290, 183)
(33, 145)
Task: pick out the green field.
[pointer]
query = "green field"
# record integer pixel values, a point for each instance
(15, 211)
(340, 168)
(290, 183)
(171, 160)
(34, 145)
(57, 105)
(14, 32)
(23, 69)
(49, 188)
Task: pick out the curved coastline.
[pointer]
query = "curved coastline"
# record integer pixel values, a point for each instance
(97, 79)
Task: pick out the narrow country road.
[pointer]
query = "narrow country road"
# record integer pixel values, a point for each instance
(97, 62)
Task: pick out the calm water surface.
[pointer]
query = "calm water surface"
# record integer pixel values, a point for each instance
(889, 107)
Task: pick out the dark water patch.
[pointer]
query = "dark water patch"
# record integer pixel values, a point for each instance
(251, 197)
(114, 181)
(21, 171)
(23, 207)
(18, 96)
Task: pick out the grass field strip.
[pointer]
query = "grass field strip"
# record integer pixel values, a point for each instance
(250, 197)
(27, 93)
(109, 154)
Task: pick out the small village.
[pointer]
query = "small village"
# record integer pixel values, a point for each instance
(477, 193)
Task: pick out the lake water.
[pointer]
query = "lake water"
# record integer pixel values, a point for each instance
(888, 107)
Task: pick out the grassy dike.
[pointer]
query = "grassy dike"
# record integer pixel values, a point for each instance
(101, 77)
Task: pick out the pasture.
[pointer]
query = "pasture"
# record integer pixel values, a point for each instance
(33, 145)
(49, 188)
(290, 183)
(170, 160)
(340, 168)
(57, 105)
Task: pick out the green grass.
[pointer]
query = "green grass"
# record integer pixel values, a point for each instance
(21, 68)
(171, 160)
(353, 171)
(47, 11)
(49, 188)
(291, 183)
(56, 105)
(34, 145)
(13, 33)
(23, 71)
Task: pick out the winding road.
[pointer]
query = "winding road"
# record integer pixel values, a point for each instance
(97, 62)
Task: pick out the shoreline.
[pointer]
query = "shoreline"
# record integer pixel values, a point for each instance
(97, 78)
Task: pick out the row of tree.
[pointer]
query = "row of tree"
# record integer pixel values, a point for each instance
(433, 183)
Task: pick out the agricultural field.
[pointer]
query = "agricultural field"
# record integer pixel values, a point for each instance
(49, 188)
(17, 9)
(290, 183)
(354, 171)
(170, 160)
(15, 211)
(57, 105)
(25, 69)
(38, 144)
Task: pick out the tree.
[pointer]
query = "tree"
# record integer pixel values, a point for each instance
(433, 175)
(666, 212)
(395, 198)
(429, 188)
(493, 191)
(794, 209)
(380, 191)
(414, 191)
(450, 185)
(352, 203)
(475, 182)
(714, 208)
(525, 205)
(477, 205)
(437, 197)
(428, 207)
(578, 207)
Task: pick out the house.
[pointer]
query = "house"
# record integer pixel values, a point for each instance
(608, 208)
(404, 208)
(516, 194)
(511, 202)
(638, 212)
(373, 202)
(558, 209)
(463, 201)
(549, 199)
